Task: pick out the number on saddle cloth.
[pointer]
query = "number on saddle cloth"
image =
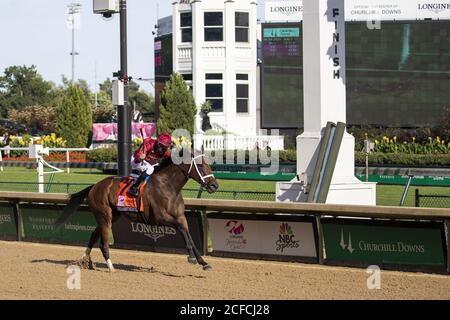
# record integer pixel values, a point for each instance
(124, 202)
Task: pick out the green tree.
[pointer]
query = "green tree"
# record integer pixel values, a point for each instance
(106, 86)
(74, 118)
(136, 97)
(178, 109)
(104, 112)
(23, 86)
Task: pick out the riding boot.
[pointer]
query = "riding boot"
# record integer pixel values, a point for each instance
(134, 189)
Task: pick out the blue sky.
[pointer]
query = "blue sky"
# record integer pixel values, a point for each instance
(36, 32)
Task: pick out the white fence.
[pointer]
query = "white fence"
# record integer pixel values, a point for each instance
(6, 150)
(232, 142)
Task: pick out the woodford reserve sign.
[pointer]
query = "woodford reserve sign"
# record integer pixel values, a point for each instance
(366, 10)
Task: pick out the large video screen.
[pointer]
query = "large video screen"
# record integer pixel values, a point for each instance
(282, 76)
(397, 76)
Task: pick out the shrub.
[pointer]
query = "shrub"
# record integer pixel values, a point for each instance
(102, 155)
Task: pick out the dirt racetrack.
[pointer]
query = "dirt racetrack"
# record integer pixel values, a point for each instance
(37, 271)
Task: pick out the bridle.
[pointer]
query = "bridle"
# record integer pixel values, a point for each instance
(200, 174)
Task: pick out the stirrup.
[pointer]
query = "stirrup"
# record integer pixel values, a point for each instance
(133, 191)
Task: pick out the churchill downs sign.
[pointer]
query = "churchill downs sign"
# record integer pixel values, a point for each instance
(366, 10)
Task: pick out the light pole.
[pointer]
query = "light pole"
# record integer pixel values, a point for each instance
(74, 8)
(124, 112)
(107, 9)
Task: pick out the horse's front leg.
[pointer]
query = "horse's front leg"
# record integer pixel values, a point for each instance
(191, 255)
(194, 254)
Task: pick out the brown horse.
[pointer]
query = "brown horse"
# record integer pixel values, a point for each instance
(163, 204)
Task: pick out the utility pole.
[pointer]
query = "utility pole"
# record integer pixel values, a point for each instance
(124, 112)
(74, 8)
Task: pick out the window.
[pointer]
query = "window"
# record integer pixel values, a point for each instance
(213, 76)
(242, 93)
(213, 26)
(241, 22)
(186, 26)
(214, 91)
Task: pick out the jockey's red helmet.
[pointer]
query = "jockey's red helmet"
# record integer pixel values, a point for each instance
(165, 139)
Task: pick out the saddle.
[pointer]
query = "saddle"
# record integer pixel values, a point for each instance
(124, 202)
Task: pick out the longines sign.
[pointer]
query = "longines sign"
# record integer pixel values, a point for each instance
(366, 10)
(290, 11)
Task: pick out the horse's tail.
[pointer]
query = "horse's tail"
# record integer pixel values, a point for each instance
(75, 201)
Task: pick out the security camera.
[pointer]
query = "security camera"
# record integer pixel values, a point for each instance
(107, 15)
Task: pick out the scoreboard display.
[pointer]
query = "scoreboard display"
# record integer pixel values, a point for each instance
(282, 76)
(398, 75)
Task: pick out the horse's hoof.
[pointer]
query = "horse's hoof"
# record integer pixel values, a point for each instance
(207, 267)
(91, 265)
(192, 260)
(85, 263)
(112, 270)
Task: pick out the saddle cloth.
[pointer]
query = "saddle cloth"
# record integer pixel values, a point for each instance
(125, 202)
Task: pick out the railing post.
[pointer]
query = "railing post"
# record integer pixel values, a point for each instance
(199, 194)
(205, 231)
(447, 222)
(68, 161)
(416, 198)
(19, 222)
(320, 253)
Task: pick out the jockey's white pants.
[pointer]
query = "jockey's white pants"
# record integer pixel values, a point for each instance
(142, 166)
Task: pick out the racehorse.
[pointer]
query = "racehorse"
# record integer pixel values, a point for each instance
(163, 204)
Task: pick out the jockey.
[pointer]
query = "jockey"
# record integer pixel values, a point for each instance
(151, 152)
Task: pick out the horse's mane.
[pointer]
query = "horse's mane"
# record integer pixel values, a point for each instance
(164, 164)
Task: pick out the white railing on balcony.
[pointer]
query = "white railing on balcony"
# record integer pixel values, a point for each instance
(231, 142)
(214, 142)
(185, 53)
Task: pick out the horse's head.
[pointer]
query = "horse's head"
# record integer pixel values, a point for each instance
(200, 171)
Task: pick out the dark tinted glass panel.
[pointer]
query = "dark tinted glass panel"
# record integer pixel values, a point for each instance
(397, 76)
(186, 19)
(213, 90)
(241, 34)
(241, 19)
(187, 77)
(213, 19)
(213, 34)
(242, 90)
(213, 76)
(241, 76)
(186, 35)
(242, 105)
(217, 104)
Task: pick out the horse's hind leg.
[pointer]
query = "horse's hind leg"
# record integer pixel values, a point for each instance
(86, 260)
(105, 246)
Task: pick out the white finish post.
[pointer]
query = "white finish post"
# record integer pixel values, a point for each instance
(325, 100)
